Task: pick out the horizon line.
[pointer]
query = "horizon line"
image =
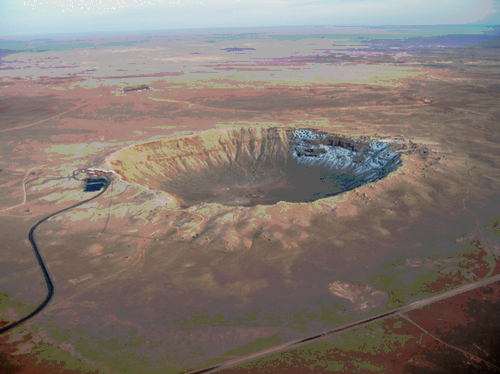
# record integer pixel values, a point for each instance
(242, 27)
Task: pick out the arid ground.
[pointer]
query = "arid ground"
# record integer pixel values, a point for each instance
(146, 283)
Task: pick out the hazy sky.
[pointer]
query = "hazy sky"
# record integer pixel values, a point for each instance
(48, 16)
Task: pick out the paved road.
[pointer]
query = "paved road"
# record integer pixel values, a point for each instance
(349, 326)
(48, 280)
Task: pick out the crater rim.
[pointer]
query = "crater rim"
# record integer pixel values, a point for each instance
(232, 183)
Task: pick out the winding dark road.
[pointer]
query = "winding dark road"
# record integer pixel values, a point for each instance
(48, 280)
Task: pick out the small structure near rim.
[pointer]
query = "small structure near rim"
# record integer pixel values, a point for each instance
(95, 183)
(94, 179)
(427, 101)
(136, 88)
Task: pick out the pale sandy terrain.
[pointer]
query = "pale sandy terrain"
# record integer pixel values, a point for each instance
(144, 283)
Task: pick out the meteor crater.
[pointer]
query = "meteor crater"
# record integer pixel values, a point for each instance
(255, 166)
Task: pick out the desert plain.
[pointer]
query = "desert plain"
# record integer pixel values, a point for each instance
(145, 282)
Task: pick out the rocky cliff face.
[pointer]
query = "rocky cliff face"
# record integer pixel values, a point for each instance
(324, 165)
